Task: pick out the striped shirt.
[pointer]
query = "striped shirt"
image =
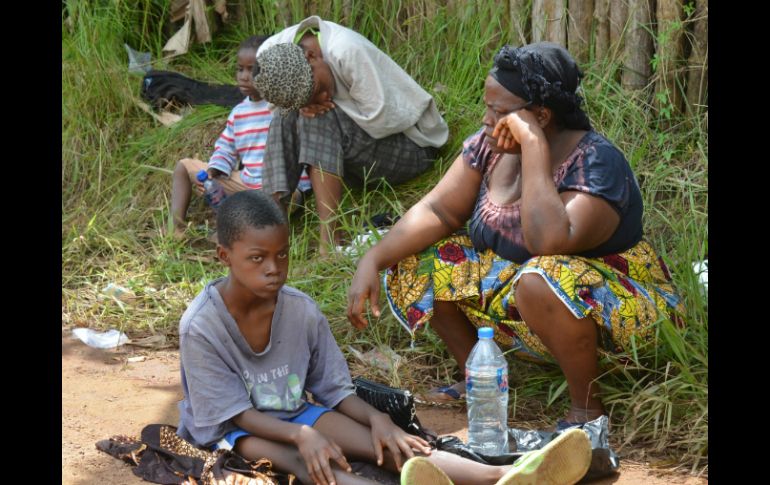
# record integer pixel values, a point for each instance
(244, 139)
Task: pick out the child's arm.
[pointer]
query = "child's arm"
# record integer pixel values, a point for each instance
(225, 156)
(314, 447)
(384, 431)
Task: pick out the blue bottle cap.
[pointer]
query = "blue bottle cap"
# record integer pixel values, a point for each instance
(202, 176)
(486, 332)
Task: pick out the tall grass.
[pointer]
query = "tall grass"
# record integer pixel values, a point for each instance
(116, 162)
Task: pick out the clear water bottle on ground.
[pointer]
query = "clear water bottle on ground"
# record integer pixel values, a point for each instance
(212, 190)
(486, 383)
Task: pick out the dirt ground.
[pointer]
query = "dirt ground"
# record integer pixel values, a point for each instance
(103, 394)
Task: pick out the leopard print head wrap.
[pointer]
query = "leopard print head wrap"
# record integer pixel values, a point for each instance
(283, 76)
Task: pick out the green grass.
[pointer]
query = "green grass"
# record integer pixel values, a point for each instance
(116, 162)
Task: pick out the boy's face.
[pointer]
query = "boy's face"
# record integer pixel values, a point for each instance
(243, 76)
(259, 259)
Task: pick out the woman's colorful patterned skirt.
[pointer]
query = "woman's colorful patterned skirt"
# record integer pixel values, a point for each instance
(625, 293)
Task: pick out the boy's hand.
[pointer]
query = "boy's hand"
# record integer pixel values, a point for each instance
(398, 441)
(214, 173)
(317, 450)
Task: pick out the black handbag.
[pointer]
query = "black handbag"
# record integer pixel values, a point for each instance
(397, 403)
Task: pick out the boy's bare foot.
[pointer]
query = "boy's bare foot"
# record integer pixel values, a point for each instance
(179, 233)
(176, 230)
(233, 478)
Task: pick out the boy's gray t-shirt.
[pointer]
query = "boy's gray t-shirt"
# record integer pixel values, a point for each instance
(222, 376)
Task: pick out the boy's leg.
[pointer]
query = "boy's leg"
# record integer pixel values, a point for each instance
(233, 183)
(181, 188)
(355, 439)
(184, 182)
(287, 459)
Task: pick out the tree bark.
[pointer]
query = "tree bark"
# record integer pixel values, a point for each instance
(538, 20)
(697, 79)
(618, 20)
(284, 12)
(556, 22)
(638, 45)
(602, 32)
(669, 51)
(580, 17)
(549, 21)
(520, 15)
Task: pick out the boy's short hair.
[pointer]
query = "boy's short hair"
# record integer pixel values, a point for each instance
(249, 208)
(253, 42)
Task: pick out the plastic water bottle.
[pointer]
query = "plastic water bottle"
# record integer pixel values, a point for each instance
(212, 190)
(486, 385)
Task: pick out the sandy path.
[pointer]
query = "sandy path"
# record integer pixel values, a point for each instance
(103, 395)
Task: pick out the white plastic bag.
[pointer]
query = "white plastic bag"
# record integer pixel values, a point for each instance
(101, 340)
(701, 270)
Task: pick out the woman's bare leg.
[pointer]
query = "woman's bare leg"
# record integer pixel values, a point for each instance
(571, 341)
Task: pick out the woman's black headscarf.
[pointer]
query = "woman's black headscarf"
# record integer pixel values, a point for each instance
(545, 74)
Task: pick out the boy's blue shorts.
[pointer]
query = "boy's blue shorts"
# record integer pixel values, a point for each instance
(309, 416)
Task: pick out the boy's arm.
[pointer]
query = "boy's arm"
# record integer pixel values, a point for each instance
(384, 431)
(315, 448)
(225, 156)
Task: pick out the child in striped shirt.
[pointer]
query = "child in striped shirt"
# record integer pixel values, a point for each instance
(243, 140)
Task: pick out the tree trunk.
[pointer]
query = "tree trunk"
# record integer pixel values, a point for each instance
(669, 50)
(538, 20)
(284, 12)
(618, 20)
(602, 32)
(579, 29)
(556, 22)
(697, 79)
(549, 21)
(638, 45)
(347, 9)
(519, 21)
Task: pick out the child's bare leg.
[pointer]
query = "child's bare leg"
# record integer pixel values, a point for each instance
(328, 193)
(355, 439)
(181, 189)
(287, 459)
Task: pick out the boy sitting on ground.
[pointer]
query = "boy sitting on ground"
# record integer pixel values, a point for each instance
(250, 350)
(243, 140)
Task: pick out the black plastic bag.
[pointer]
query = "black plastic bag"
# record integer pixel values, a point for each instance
(163, 88)
(604, 461)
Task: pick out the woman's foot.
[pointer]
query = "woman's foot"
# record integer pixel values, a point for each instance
(579, 415)
(445, 394)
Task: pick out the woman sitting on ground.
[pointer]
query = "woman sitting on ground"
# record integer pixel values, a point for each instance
(554, 259)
